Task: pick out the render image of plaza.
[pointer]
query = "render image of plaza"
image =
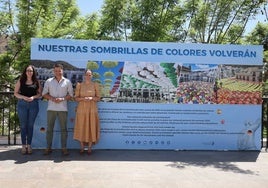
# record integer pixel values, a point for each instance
(175, 83)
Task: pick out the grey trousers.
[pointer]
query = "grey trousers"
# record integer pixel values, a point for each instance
(51, 118)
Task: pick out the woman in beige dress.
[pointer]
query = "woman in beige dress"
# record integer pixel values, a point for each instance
(87, 125)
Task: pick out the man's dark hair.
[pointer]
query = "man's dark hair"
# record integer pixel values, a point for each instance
(58, 65)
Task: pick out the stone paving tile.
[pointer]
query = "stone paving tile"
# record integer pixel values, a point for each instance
(134, 168)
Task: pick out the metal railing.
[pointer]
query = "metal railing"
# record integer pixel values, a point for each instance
(264, 130)
(9, 125)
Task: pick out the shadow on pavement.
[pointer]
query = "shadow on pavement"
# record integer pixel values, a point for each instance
(201, 156)
(223, 160)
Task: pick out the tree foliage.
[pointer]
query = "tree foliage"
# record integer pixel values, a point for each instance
(86, 27)
(259, 36)
(24, 19)
(199, 21)
(113, 21)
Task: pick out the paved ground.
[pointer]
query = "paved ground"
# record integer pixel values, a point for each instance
(134, 169)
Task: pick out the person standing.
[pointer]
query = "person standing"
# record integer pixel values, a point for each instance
(87, 125)
(28, 91)
(57, 90)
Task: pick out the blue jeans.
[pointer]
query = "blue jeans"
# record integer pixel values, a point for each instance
(27, 112)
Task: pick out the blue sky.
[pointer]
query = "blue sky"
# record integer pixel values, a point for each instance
(89, 6)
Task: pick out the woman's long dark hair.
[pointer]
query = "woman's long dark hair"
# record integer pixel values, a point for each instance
(23, 77)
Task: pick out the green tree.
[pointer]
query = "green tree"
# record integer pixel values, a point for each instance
(259, 36)
(43, 18)
(114, 20)
(156, 20)
(6, 76)
(24, 19)
(219, 21)
(86, 27)
(202, 21)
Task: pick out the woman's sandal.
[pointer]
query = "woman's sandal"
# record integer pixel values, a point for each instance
(81, 151)
(89, 151)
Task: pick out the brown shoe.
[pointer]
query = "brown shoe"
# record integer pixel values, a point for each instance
(47, 151)
(29, 150)
(23, 150)
(65, 152)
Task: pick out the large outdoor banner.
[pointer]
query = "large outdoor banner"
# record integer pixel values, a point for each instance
(161, 95)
